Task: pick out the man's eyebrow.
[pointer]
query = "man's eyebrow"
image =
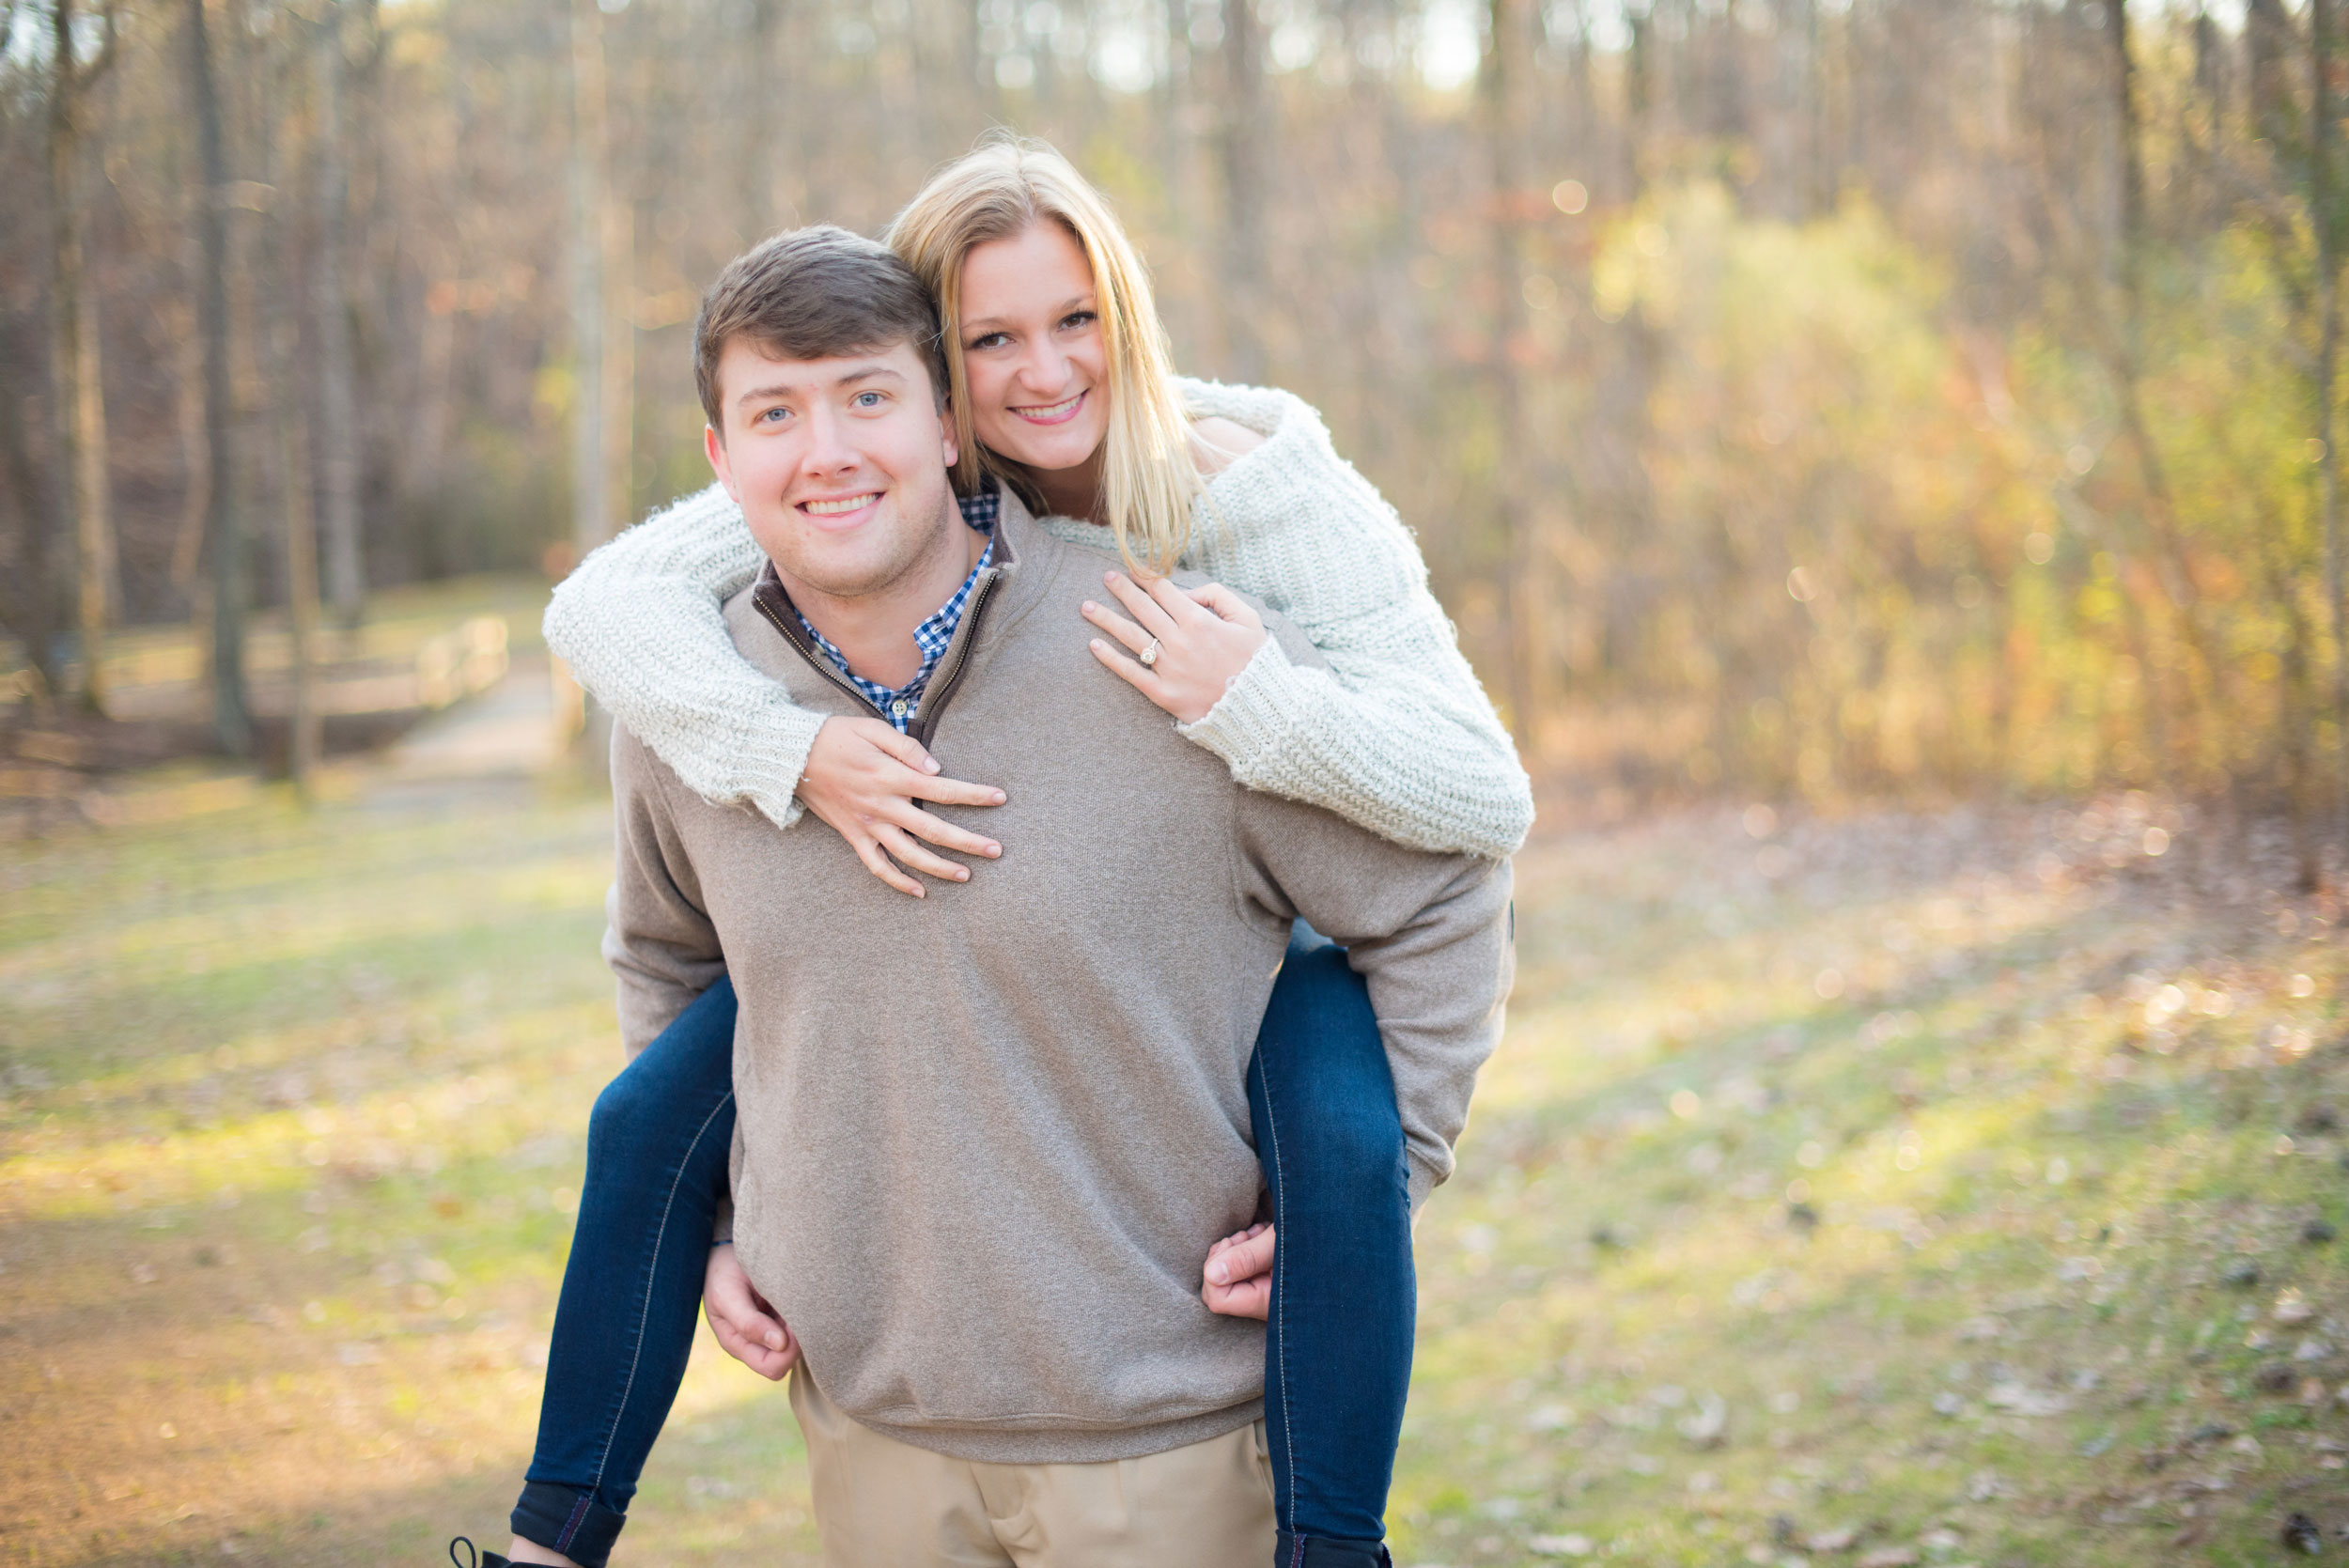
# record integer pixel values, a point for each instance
(781, 389)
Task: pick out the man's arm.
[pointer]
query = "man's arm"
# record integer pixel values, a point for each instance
(1431, 934)
(658, 937)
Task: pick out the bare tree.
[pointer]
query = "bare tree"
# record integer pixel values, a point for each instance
(2324, 204)
(232, 715)
(338, 454)
(592, 518)
(77, 393)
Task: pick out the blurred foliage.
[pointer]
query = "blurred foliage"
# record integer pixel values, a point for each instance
(1905, 396)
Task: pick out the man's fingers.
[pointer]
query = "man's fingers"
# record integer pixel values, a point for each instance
(907, 850)
(946, 835)
(1244, 1259)
(1140, 605)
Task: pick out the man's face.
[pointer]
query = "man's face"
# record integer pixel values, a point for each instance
(839, 464)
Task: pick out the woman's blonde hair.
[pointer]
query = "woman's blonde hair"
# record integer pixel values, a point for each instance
(999, 189)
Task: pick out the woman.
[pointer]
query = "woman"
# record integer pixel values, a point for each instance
(1061, 388)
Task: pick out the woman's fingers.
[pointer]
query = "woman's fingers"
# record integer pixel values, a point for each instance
(1224, 605)
(946, 835)
(1179, 606)
(889, 738)
(868, 849)
(954, 792)
(1140, 605)
(1136, 675)
(908, 851)
(1116, 626)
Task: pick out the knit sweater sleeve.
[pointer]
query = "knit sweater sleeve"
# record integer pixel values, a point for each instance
(1396, 735)
(639, 624)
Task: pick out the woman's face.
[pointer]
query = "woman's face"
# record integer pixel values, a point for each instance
(1032, 349)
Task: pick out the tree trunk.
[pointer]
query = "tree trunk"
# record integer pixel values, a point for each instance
(77, 398)
(1241, 151)
(301, 586)
(2324, 203)
(29, 601)
(1524, 589)
(337, 447)
(591, 511)
(232, 716)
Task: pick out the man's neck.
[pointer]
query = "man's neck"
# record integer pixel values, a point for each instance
(874, 631)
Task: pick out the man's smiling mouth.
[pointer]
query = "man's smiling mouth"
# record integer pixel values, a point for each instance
(836, 508)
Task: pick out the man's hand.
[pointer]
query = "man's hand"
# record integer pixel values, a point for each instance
(863, 778)
(1203, 637)
(750, 1330)
(1239, 1276)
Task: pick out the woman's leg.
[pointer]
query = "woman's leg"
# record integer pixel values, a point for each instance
(1338, 1351)
(657, 1148)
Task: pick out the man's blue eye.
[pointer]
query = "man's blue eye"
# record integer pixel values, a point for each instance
(868, 399)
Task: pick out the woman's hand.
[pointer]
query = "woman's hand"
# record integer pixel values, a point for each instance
(863, 778)
(750, 1330)
(1238, 1275)
(1206, 636)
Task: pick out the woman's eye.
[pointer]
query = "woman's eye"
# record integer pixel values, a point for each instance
(987, 340)
(1078, 319)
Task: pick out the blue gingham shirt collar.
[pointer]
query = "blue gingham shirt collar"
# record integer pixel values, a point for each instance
(903, 703)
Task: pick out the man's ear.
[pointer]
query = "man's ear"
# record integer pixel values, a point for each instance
(714, 445)
(947, 429)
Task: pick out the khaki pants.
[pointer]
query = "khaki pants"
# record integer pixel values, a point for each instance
(880, 1503)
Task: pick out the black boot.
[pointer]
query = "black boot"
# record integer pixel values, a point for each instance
(479, 1558)
(1324, 1551)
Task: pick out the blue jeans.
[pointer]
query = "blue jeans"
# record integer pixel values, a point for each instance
(1338, 1350)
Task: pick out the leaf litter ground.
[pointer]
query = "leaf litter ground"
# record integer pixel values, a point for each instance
(1933, 1189)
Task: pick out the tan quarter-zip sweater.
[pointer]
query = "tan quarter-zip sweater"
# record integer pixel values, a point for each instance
(984, 1139)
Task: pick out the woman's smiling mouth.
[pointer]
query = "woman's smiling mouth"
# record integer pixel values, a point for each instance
(1054, 414)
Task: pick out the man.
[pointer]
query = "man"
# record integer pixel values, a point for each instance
(984, 1139)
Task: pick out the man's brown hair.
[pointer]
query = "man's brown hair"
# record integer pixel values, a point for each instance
(819, 293)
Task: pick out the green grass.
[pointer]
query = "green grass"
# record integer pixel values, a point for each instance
(1862, 1177)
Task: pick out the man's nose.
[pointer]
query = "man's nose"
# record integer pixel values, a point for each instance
(828, 448)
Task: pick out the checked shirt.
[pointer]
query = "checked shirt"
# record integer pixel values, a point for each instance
(932, 636)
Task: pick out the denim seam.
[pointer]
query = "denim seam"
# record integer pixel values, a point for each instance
(645, 1307)
(1279, 1206)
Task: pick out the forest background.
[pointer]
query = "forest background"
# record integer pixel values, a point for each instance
(1904, 397)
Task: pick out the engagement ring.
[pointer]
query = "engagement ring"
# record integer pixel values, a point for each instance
(1149, 656)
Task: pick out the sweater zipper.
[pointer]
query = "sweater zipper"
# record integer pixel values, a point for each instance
(822, 666)
(942, 684)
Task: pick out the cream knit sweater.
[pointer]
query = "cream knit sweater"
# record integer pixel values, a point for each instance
(1395, 736)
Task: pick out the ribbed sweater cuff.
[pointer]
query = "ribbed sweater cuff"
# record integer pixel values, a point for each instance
(1264, 705)
(766, 773)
